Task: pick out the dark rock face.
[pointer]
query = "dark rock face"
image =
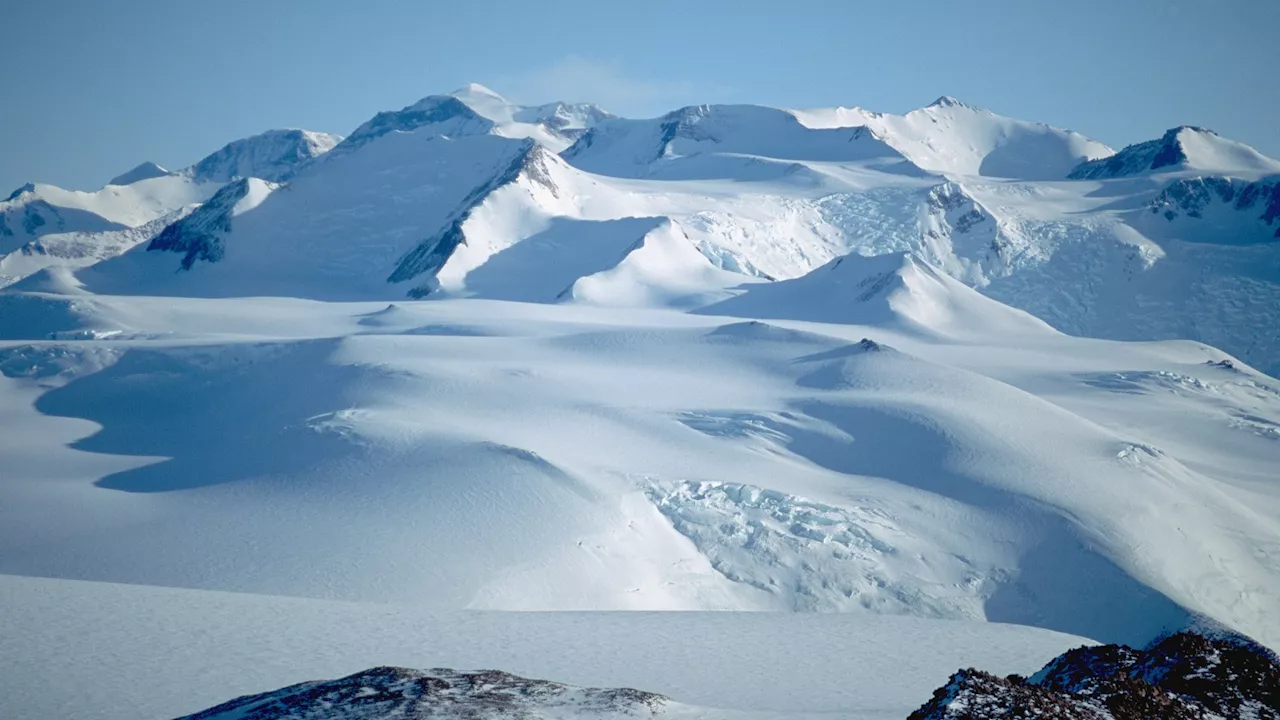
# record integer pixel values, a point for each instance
(1183, 676)
(199, 235)
(1192, 197)
(390, 692)
(1137, 158)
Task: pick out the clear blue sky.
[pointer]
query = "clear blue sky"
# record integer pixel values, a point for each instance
(92, 87)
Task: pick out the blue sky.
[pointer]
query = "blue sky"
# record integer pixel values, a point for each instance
(92, 88)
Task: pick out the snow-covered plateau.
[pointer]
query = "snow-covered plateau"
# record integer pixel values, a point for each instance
(908, 393)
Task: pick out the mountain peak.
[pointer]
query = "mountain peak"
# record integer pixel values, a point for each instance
(28, 188)
(143, 171)
(946, 101)
(476, 90)
(1186, 147)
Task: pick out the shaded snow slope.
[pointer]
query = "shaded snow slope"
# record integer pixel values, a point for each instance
(957, 139)
(1180, 149)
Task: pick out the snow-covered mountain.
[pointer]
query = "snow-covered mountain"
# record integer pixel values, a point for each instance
(136, 205)
(1179, 149)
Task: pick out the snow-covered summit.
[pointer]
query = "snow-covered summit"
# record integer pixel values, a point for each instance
(949, 101)
(143, 171)
(476, 110)
(640, 148)
(1181, 148)
(948, 136)
(274, 155)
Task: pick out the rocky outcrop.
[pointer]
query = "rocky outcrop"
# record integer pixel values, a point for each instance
(199, 236)
(391, 692)
(1182, 676)
(1194, 197)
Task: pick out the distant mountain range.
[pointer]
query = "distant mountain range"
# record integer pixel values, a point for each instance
(468, 194)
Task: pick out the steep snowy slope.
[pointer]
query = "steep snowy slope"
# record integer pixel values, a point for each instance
(341, 228)
(957, 139)
(1180, 149)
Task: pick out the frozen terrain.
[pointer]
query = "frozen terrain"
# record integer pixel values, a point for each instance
(870, 377)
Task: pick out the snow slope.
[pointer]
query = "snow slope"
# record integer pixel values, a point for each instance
(956, 139)
(897, 290)
(596, 458)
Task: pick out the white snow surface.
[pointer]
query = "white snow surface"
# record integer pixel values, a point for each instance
(482, 454)
(102, 651)
(953, 138)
